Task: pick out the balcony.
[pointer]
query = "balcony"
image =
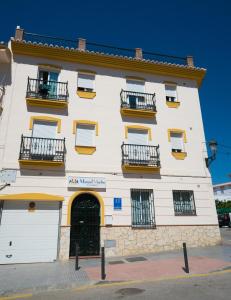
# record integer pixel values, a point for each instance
(42, 151)
(47, 93)
(135, 104)
(140, 158)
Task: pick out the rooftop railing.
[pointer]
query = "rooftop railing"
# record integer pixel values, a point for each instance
(82, 44)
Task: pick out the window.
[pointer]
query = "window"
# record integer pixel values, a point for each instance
(177, 141)
(142, 205)
(43, 142)
(86, 82)
(184, 204)
(137, 137)
(85, 135)
(48, 84)
(170, 91)
(135, 95)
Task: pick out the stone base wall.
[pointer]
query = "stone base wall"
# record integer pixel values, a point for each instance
(131, 241)
(64, 244)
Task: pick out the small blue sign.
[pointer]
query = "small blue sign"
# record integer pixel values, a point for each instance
(117, 203)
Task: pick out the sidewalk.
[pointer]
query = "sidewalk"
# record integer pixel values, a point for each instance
(59, 275)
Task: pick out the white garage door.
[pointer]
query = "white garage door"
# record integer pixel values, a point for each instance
(29, 236)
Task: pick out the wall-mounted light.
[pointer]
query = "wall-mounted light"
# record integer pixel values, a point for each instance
(213, 148)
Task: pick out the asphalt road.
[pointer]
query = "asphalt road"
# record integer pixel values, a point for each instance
(207, 287)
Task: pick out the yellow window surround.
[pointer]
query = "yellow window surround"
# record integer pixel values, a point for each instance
(31, 197)
(176, 130)
(85, 122)
(49, 67)
(45, 119)
(135, 78)
(88, 72)
(179, 155)
(138, 127)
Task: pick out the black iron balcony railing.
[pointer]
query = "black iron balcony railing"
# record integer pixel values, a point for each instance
(42, 149)
(136, 100)
(47, 89)
(140, 155)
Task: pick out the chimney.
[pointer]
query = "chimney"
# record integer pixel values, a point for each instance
(19, 34)
(190, 61)
(81, 44)
(138, 54)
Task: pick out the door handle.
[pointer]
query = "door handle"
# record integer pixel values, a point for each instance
(9, 255)
(10, 243)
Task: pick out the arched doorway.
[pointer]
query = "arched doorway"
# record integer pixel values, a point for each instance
(85, 225)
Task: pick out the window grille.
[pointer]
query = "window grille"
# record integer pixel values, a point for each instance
(142, 204)
(184, 204)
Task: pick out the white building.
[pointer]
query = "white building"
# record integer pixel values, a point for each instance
(100, 149)
(222, 191)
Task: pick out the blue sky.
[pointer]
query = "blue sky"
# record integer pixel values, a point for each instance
(199, 28)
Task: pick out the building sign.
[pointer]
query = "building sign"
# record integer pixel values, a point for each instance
(117, 203)
(87, 182)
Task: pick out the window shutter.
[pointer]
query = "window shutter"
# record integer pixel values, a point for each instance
(86, 81)
(137, 137)
(170, 91)
(177, 141)
(85, 135)
(44, 129)
(135, 86)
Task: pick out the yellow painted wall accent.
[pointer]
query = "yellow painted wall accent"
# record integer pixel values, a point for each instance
(50, 66)
(141, 169)
(176, 130)
(85, 122)
(76, 194)
(138, 127)
(46, 103)
(87, 150)
(46, 119)
(138, 113)
(86, 95)
(135, 78)
(179, 155)
(32, 196)
(84, 71)
(171, 104)
(108, 61)
(40, 163)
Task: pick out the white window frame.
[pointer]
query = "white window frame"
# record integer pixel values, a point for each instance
(171, 98)
(77, 143)
(182, 141)
(84, 89)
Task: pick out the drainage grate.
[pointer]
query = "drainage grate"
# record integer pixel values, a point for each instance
(134, 259)
(116, 262)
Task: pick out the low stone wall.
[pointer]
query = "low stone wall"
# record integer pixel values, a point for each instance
(131, 241)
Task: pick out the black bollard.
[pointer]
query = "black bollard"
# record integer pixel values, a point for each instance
(103, 275)
(185, 258)
(77, 257)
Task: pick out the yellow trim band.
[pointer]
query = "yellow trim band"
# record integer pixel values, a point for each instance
(138, 127)
(106, 61)
(85, 122)
(87, 150)
(46, 103)
(179, 155)
(32, 196)
(128, 112)
(76, 194)
(171, 104)
(86, 95)
(175, 130)
(41, 163)
(46, 119)
(141, 169)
